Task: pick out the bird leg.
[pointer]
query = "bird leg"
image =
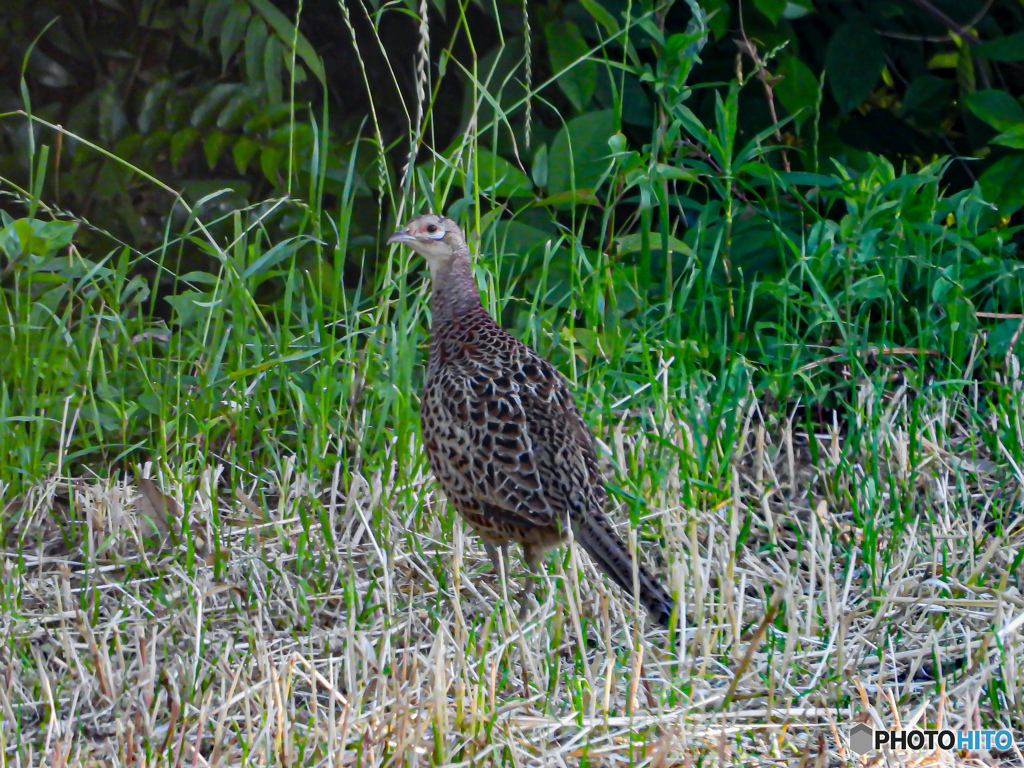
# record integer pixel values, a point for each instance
(530, 556)
(492, 552)
(500, 566)
(531, 562)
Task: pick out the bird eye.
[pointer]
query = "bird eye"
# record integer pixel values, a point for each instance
(431, 228)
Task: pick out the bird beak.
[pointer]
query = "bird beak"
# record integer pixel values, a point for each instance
(401, 236)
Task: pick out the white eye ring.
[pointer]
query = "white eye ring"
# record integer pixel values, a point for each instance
(438, 233)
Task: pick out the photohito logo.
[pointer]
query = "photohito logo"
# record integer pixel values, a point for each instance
(864, 738)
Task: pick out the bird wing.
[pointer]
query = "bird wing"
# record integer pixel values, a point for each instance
(563, 446)
(527, 453)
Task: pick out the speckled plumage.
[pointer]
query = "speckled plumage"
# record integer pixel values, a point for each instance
(502, 432)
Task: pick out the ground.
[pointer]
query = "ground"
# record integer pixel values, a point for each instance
(182, 617)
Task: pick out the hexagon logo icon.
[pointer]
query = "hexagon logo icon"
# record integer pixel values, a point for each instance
(861, 738)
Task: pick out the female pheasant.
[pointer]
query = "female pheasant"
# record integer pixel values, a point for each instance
(502, 431)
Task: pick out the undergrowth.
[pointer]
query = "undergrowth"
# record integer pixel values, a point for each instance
(804, 384)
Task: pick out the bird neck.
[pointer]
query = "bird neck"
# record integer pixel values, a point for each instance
(454, 291)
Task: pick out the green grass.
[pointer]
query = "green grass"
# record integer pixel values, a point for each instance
(303, 595)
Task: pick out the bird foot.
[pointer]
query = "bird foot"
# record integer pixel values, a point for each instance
(499, 565)
(496, 561)
(524, 598)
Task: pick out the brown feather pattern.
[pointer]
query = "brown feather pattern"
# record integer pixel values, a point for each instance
(502, 432)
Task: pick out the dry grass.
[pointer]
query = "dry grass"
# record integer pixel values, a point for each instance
(253, 635)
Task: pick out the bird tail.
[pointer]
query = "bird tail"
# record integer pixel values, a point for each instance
(596, 535)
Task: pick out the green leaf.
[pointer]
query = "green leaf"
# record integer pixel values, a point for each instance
(153, 104)
(676, 173)
(213, 20)
(798, 88)
(945, 60)
(1002, 183)
(567, 51)
(191, 307)
(237, 109)
(10, 241)
(579, 154)
(286, 32)
(202, 115)
(111, 118)
(804, 179)
(853, 62)
(255, 41)
(962, 322)
(214, 146)
(539, 169)
(797, 9)
(570, 197)
(294, 357)
(927, 99)
(773, 9)
(57, 234)
(273, 70)
(270, 163)
(1011, 138)
(270, 116)
(181, 141)
(717, 17)
(601, 16)
(997, 108)
(999, 338)
(261, 267)
(634, 243)
(232, 33)
(867, 289)
(1008, 48)
(498, 177)
(243, 152)
(514, 236)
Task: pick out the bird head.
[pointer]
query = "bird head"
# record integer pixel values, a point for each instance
(437, 238)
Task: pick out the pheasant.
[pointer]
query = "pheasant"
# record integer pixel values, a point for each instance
(502, 432)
